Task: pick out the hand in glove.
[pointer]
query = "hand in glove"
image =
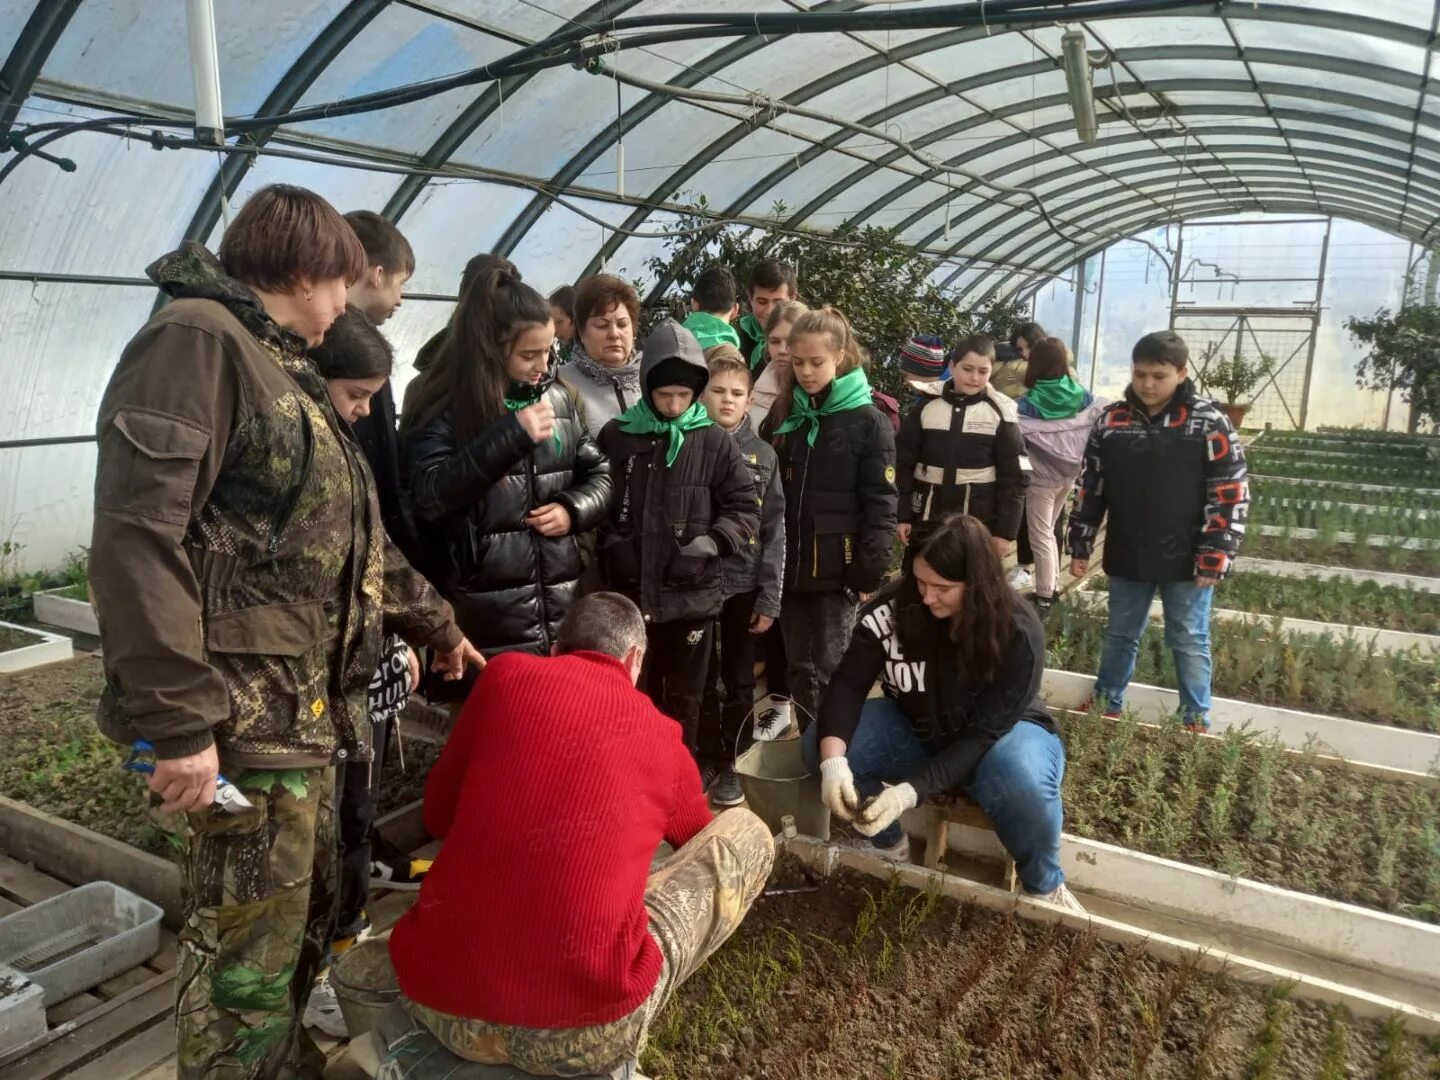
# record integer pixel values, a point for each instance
(837, 788)
(702, 547)
(884, 809)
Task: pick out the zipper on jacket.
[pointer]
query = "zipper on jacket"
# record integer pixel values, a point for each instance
(536, 540)
(297, 486)
(800, 511)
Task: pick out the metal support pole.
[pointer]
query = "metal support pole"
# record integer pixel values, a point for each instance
(1099, 312)
(1079, 303)
(205, 71)
(1315, 323)
(1175, 276)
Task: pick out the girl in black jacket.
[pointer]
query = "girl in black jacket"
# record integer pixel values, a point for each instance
(503, 472)
(960, 660)
(837, 464)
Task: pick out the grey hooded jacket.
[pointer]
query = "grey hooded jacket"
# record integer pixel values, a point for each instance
(760, 566)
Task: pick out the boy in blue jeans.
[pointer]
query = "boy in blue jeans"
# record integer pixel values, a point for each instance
(1168, 469)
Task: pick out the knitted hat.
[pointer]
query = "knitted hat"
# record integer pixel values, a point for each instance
(923, 356)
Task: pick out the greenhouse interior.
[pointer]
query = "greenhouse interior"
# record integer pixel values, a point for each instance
(768, 539)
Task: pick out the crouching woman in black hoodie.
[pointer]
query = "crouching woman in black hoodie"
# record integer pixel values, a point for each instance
(960, 663)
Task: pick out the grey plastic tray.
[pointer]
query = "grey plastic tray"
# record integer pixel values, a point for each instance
(77, 940)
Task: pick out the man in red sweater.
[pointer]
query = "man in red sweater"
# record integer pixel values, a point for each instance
(541, 938)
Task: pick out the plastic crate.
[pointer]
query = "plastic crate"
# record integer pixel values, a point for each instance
(22, 1011)
(71, 942)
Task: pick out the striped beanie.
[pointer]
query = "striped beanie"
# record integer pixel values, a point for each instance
(923, 356)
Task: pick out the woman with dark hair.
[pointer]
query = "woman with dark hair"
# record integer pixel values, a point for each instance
(1056, 415)
(604, 366)
(503, 471)
(243, 585)
(960, 662)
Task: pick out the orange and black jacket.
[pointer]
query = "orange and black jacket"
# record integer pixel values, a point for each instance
(1173, 486)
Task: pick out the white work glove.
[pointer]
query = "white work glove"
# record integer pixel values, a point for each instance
(837, 788)
(884, 809)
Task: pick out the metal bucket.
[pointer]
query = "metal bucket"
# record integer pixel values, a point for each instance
(365, 984)
(775, 783)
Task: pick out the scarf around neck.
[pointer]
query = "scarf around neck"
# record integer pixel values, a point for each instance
(751, 325)
(849, 391)
(711, 330)
(626, 377)
(642, 419)
(1058, 399)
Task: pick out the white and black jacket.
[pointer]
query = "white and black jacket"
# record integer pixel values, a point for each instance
(957, 718)
(962, 453)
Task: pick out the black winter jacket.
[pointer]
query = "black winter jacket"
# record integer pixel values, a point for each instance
(760, 567)
(962, 453)
(957, 718)
(509, 585)
(839, 502)
(380, 442)
(657, 510)
(1174, 487)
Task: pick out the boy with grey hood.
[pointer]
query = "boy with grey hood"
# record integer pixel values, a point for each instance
(683, 500)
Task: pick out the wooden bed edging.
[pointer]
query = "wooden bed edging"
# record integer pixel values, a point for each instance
(825, 858)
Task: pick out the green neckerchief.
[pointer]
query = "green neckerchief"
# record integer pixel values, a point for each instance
(642, 419)
(711, 330)
(751, 325)
(1057, 399)
(849, 391)
(520, 395)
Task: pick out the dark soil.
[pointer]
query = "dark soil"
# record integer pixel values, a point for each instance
(16, 639)
(865, 979)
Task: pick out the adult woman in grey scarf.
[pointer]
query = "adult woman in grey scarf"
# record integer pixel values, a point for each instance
(604, 366)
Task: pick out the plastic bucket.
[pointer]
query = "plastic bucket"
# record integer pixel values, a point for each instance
(365, 984)
(776, 784)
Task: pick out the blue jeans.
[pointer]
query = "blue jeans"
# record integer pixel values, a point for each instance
(1187, 635)
(1017, 783)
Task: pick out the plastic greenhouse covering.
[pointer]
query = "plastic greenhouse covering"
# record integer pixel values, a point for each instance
(950, 123)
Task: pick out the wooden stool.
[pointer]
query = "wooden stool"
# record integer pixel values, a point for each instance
(958, 810)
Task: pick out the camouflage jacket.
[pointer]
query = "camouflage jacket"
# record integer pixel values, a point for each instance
(241, 574)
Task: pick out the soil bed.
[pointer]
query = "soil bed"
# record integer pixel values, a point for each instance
(57, 761)
(1349, 603)
(16, 639)
(1339, 491)
(1356, 556)
(1323, 673)
(1396, 473)
(1244, 806)
(869, 979)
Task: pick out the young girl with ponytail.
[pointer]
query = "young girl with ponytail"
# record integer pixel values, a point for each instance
(960, 659)
(503, 472)
(837, 464)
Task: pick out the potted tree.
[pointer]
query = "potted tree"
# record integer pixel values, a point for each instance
(1231, 380)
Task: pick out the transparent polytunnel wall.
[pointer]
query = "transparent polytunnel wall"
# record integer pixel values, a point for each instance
(568, 135)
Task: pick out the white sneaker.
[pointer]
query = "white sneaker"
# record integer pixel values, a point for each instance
(1061, 897)
(1020, 580)
(773, 722)
(323, 1009)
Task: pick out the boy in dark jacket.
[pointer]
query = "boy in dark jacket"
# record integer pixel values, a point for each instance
(712, 307)
(683, 500)
(750, 581)
(1168, 470)
(960, 450)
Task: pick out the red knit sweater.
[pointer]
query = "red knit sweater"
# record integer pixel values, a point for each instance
(556, 786)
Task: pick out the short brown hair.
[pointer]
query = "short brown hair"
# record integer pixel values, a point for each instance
(599, 293)
(979, 344)
(384, 244)
(285, 234)
(1049, 359)
(1161, 347)
(725, 359)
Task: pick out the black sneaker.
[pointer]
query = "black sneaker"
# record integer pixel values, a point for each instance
(391, 868)
(726, 790)
(708, 775)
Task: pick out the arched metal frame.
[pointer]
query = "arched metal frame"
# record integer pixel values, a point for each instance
(1389, 176)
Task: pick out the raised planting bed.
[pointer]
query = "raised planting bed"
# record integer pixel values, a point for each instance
(1316, 673)
(1359, 538)
(928, 977)
(68, 607)
(23, 647)
(1244, 806)
(1398, 474)
(1341, 519)
(1328, 552)
(1332, 600)
(1316, 572)
(1269, 487)
(1329, 448)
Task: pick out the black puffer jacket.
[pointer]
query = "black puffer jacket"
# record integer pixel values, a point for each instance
(839, 502)
(509, 585)
(658, 510)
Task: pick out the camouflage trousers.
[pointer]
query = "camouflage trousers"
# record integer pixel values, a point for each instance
(260, 891)
(696, 899)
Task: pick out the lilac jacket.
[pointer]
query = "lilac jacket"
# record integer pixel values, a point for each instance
(1057, 447)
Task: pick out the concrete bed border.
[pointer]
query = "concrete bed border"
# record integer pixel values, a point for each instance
(1299, 532)
(1378, 749)
(50, 649)
(1286, 568)
(825, 858)
(1394, 489)
(55, 610)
